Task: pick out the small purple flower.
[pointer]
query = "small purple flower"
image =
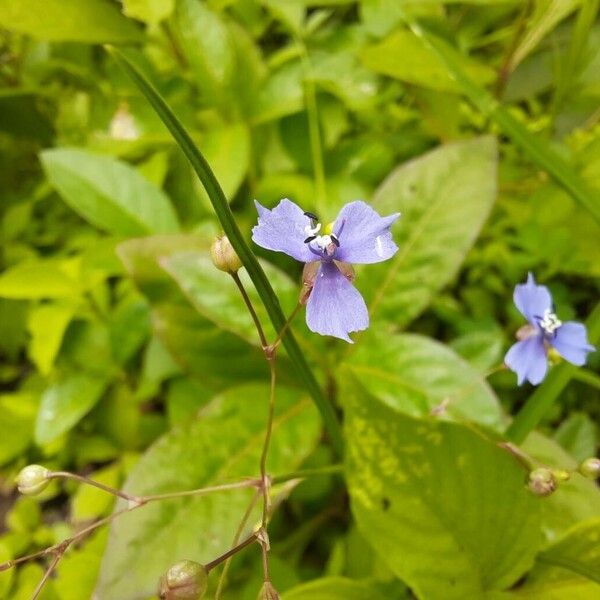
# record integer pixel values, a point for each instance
(528, 358)
(358, 235)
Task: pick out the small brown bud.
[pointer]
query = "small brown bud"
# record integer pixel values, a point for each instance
(32, 480)
(590, 468)
(542, 482)
(185, 580)
(223, 255)
(268, 592)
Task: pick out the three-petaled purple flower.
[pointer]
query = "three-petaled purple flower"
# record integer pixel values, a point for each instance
(358, 235)
(528, 358)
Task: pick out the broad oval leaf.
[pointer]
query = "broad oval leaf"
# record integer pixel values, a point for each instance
(222, 445)
(92, 21)
(444, 196)
(109, 193)
(417, 375)
(430, 496)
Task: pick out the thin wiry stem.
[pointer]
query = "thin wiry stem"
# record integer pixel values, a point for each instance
(250, 306)
(87, 481)
(47, 574)
(236, 539)
(267, 442)
(217, 561)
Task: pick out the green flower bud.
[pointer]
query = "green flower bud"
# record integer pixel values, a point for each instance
(542, 482)
(224, 256)
(590, 468)
(32, 480)
(185, 580)
(268, 592)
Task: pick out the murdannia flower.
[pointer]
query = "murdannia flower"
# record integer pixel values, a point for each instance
(358, 235)
(528, 358)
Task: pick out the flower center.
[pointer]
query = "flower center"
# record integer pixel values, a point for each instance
(549, 322)
(327, 242)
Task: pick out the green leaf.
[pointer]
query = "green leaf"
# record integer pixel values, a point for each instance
(335, 588)
(578, 550)
(68, 20)
(89, 502)
(415, 375)
(577, 434)
(65, 402)
(218, 357)
(47, 325)
(215, 295)
(149, 11)
(424, 67)
(575, 501)
(222, 445)
(238, 241)
(207, 44)
(108, 193)
(430, 496)
(536, 149)
(38, 279)
(17, 418)
(445, 197)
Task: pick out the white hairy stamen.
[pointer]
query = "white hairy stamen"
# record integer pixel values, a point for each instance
(323, 241)
(310, 231)
(550, 322)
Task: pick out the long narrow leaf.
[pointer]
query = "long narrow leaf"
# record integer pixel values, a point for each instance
(221, 207)
(536, 149)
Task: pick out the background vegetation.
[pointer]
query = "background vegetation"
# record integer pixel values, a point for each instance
(127, 357)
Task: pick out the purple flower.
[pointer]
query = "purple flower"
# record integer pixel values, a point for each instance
(528, 358)
(358, 235)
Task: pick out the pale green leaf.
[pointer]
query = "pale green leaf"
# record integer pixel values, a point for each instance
(149, 11)
(17, 418)
(423, 68)
(215, 295)
(36, 280)
(577, 434)
(430, 496)
(578, 550)
(444, 197)
(223, 444)
(89, 502)
(109, 193)
(68, 20)
(47, 325)
(417, 375)
(65, 402)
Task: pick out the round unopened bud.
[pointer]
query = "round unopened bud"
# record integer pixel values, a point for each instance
(185, 580)
(542, 482)
(268, 592)
(224, 256)
(590, 468)
(32, 480)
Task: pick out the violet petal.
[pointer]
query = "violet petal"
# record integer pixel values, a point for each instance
(283, 230)
(532, 300)
(528, 360)
(570, 340)
(335, 307)
(364, 236)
